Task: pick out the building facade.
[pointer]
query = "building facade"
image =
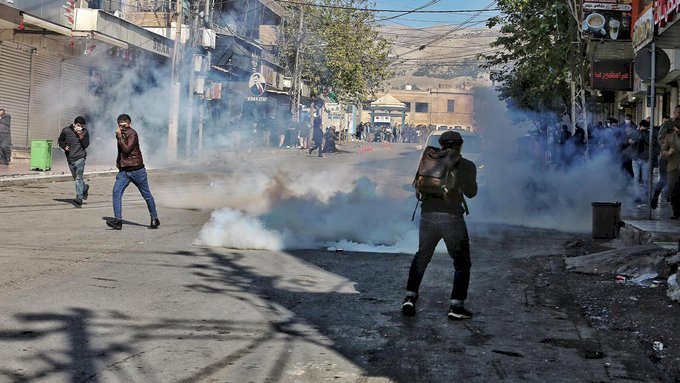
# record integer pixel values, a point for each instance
(451, 107)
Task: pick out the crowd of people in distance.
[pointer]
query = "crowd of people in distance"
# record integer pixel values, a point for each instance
(628, 146)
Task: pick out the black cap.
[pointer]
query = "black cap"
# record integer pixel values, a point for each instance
(450, 137)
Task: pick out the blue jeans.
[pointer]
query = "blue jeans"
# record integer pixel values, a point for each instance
(452, 229)
(139, 178)
(641, 176)
(77, 170)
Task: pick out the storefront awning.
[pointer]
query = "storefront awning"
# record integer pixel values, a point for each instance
(669, 38)
(115, 31)
(13, 20)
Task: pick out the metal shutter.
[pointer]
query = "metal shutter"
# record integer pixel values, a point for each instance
(74, 92)
(45, 100)
(15, 87)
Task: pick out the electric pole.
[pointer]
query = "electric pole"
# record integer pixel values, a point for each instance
(295, 106)
(173, 123)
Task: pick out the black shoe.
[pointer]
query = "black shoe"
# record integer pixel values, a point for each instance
(459, 312)
(77, 202)
(408, 308)
(115, 224)
(310, 151)
(85, 191)
(674, 217)
(154, 223)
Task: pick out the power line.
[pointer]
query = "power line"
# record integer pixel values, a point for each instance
(389, 10)
(409, 12)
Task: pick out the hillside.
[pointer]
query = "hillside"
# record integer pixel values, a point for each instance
(449, 58)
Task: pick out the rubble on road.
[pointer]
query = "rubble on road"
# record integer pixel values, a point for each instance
(631, 262)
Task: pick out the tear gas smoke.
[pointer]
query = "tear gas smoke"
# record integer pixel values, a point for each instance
(359, 219)
(303, 208)
(517, 190)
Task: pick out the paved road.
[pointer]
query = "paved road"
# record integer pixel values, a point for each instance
(80, 303)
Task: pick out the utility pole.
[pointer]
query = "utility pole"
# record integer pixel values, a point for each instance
(205, 67)
(193, 39)
(650, 178)
(173, 123)
(295, 106)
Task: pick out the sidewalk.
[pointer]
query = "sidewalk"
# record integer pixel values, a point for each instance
(18, 173)
(661, 229)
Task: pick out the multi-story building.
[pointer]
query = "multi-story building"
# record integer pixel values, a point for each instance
(49, 58)
(451, 107)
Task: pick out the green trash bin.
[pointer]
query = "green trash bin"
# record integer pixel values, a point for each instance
(41, 155)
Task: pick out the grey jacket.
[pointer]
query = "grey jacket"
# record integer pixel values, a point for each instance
(76, 145)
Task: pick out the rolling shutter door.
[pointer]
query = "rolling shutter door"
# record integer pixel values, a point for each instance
(45, 100)
(15, 72)
(74, 92)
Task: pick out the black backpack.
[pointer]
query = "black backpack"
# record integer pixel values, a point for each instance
(436, 176)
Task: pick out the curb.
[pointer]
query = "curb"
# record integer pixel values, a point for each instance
(22, 180)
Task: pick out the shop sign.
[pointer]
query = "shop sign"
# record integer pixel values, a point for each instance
(161, 46)
(643, 32)
(666, 11)
(612, 75)
(607, 19)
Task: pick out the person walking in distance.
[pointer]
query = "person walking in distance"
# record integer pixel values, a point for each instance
(74, 140)
(131, 168)
(442, 218)
(5, 138)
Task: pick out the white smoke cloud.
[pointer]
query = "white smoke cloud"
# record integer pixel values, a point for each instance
(362, 219)
(520, 192)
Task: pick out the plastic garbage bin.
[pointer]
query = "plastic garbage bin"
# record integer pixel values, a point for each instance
(606, 219)
(41, 155)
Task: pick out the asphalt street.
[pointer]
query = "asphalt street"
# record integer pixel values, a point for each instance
(81, 303)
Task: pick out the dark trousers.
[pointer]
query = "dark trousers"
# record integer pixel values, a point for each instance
(5, 148)
(663, 162)
(318, 144)
(452, 229)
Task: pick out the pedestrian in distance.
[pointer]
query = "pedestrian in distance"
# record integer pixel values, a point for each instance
(670, 150)
(74, 140)
(442, 217)
(317, 137)
(131, 169)
(664, 130)
(5, 138)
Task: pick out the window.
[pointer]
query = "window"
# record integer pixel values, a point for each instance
(422, 107)
(408, 106)
(451, 106)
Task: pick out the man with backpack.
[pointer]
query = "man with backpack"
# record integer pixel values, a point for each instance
(443, 181)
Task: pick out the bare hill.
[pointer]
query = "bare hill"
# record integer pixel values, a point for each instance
(437, 56)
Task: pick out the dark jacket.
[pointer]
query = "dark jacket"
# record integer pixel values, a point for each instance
(5, 124)
(76, 144)
(466, 181)
(129, 153)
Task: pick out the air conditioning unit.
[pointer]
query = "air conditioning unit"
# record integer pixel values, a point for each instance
(200, 85)
(208, 38)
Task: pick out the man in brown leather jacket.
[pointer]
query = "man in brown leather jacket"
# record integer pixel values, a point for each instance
(131, 169)
(670, 150)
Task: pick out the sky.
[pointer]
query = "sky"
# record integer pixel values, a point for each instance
(420, 20)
